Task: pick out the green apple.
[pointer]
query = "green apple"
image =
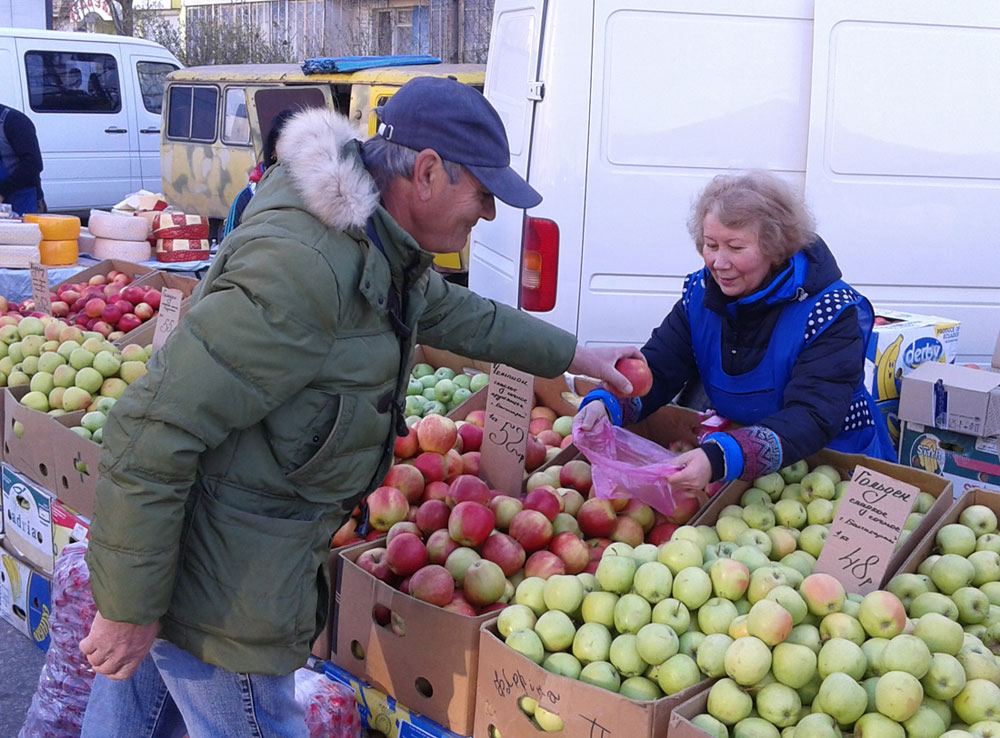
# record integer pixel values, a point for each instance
(771, 483)
(801, 561)
(805, 634)
(841, 625)
(906, 653)
(791, 513)
(93, 421)
(563, 592)
(692, 586)
(973, 605)
(945, 678)
(898, 694)
(812, 538)
(988, 542)
(601, 674)
(878, 725)
(556, 630)
(640, 688)
(873, 649)
(712, 654)
(599, 607)
(748, 660)
(678, 673)
(907, 586)
(769, 621)
(729, 528)
(841, 697)
(713, 727)
(979, 518)
(831, 473)
(794, 473)
(631, 613)
(817, 725)
(751, 557)
(753, 496)
(656, 643)
(527, 643)
(756, 539)
(955, 538)
(815, 485)
(530, 592)
(515, 617)
(978, 700)
(766, 578)
(592, 643)
(933, 602)
(759, 516)
(840, 654)
(953, 571)
(791, 663)
(563, 664)
(689, 643)
(986, 565)
(624, 656)
(728, 703)
(940, 633)
(653, 581)
(925, 723)
(479, 381)
(616, 573)
(791, 601)
(679, 554)
(779, 704)
(674, 613)
(716, 615)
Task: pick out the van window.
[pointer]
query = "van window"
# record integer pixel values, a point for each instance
(63, 82)
(152, 77)
(192, 112)
(235, 121)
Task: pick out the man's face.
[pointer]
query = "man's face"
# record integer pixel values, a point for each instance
(447, 217)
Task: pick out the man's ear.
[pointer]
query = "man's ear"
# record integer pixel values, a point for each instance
(425, 171)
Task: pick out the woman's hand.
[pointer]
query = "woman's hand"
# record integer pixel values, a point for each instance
(697, 471)
(591, 414)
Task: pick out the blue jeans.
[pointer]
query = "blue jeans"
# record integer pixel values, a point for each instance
(173, 693)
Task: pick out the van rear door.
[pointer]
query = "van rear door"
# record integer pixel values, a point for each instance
(904, 156)
(148, 75)
(76, 96)
(511, 70)
(10, 83)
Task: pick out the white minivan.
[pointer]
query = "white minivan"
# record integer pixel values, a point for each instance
(95, 101)
(886, 113)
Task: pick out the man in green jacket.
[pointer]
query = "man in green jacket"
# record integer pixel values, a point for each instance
(273, 409)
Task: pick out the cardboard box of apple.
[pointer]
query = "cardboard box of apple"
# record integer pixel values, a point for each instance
(67, 369)
(917, 659)
(108, 304)
(439, 391)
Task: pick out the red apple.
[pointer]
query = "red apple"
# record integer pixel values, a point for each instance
(628, 531)
(504, 509)
(101, 327)
(60, 308)
(143, 311)
(435, 491)
(439, 545)
(596, 547)
(432, 515)
(437, 433)
(569, 547)
(641, 513)
(576, 474)
(505, 552)
(133, 294)
(466, 487)
(534, 454)
(152, 298)
(111, 313)
(374, 562)
(407, 479)
(407, 446)
(543, 564)
(403, 526)
(94, 307)
(471, 435)
(453, 465)
(684, 509)
(470, 462)
(461, 607)
(470, 523)
(476, 417)
(97, 279)
(386, 507)
(545, 500)
(431, 465)
(125, 305)
(566, 441)
(69, 296)
(406, 553)
(411, 516)
(661, 533)
(531, 529)
(597, 518)
(537, 425)
(549, 439)
(128, 322)
(637, 372)
(432, 584)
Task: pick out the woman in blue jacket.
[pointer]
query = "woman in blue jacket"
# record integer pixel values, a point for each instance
(774, 334)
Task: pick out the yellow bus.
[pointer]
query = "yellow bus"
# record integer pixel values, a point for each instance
(216, 118)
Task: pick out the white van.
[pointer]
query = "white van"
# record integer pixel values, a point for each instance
(886, 113)
(95, 101)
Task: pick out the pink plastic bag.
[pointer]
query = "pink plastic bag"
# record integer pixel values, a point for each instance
(626, 465)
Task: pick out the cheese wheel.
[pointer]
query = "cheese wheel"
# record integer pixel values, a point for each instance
(56, 227)
(57, 253)
(182, 249)
(111, 248)
(180, 225)
(18, 256)
(20, 234)
(86, 241)
(149, 216)
(117, 227)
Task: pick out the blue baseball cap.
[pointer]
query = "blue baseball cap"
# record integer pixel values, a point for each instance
(458, 123)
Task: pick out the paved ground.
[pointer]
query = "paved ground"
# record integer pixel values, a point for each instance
(20, 664)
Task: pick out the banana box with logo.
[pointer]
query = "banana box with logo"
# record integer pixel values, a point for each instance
(25, 596)
(27, 518)
(900, 343)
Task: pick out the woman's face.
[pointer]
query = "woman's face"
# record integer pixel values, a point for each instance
(734, 258)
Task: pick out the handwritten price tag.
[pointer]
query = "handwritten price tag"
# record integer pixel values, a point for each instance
(505, 434)
(167, 317)
(40, 288)
(869, 522)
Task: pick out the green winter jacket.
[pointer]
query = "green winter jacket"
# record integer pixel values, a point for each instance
(268, 412)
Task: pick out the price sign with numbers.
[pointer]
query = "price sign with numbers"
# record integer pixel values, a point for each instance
(505, 433)
(869, 522)
(40, 288)
(167, 317)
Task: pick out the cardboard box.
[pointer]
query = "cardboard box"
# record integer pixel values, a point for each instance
(75, 460)
(25, 597)
(955, 398)
(68, 527)
(925, 546)
(382, 713)
(27, 519)
(103, 267)
(968, 462)
(903, 341)
(28, 439)
(941, 489)
(680, 720)
(505, 676)
(431, 667)
(888, 415)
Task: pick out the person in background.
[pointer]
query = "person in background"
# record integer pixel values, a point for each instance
(217, 497)
(775, 336)
(268, 157)
(20, 162)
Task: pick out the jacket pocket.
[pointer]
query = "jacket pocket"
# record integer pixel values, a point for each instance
(247, 577)
(301, 427)
(329, 447)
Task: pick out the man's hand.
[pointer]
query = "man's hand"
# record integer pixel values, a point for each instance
(590, 415)
(697, 472)
(116, 649)
(600, 364)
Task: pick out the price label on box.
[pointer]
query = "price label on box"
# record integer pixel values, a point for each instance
(505, 433)
(40, 288)
(166, 319)
(869, 522)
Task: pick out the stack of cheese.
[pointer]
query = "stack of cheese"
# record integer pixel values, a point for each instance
(119, 236)
(59, 238)
(181, 237)
(19, 243)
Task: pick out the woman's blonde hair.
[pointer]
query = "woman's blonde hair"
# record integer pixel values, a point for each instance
(761, 202)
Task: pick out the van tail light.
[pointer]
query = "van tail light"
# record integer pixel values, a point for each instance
(539, 264)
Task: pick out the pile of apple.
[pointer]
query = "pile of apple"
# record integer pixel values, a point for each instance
(108, 304)
(439, 391)
(68, 369)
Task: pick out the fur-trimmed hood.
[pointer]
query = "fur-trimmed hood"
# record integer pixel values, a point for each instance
(334, 186)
